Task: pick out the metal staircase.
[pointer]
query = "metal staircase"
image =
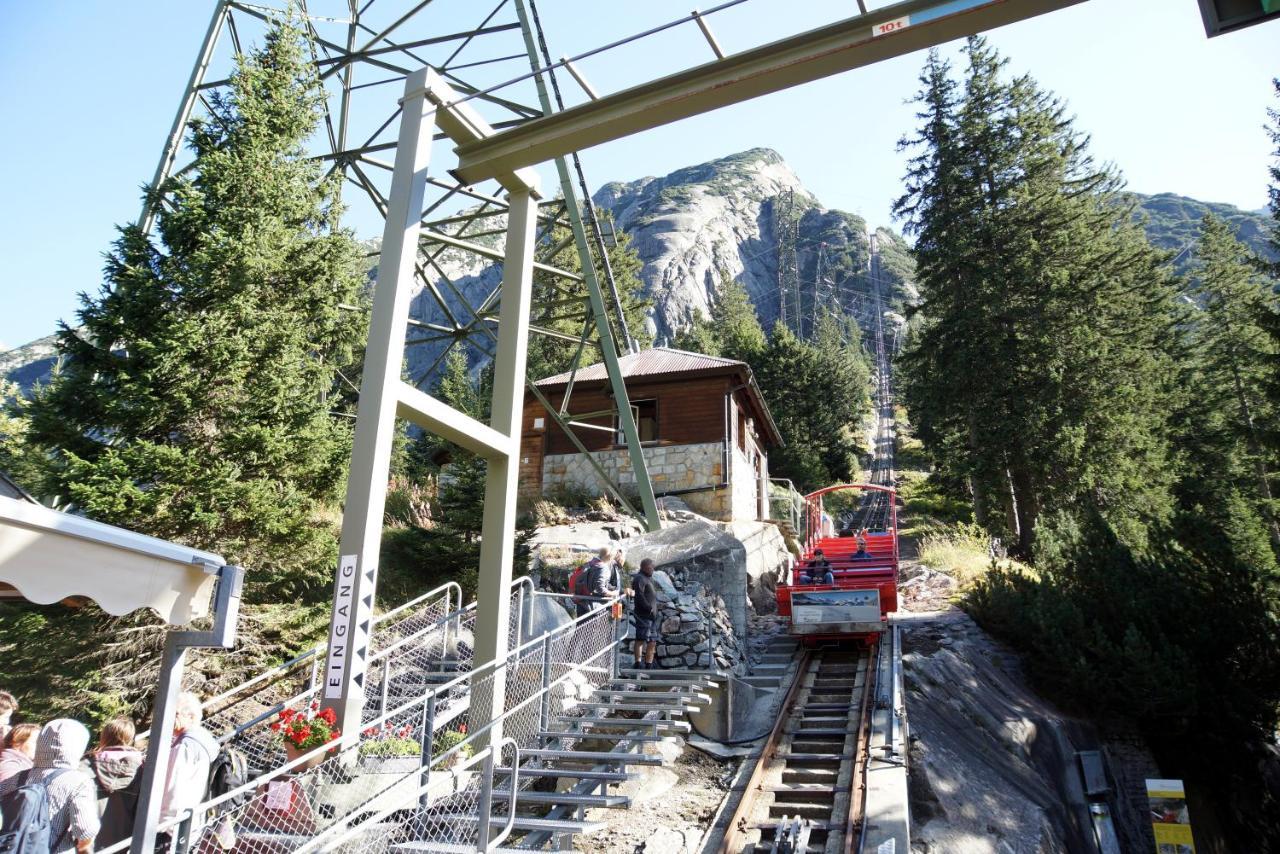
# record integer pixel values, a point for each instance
(573, 723)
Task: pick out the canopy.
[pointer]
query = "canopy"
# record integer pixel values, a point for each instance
(49, 556)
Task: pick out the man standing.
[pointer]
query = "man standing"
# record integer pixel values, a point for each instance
(593, 573)
(645, 614)
(194, 748)
(600, 577)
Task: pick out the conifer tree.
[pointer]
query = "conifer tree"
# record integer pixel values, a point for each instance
(195, 404)
(561, 305)
(1232, 368)
(1041, 367)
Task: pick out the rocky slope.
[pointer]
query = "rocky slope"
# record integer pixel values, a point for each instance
(726, 218)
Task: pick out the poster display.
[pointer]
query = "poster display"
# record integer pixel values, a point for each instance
(1170, 821)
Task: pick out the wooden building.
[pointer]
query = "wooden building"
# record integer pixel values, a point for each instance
(703, 424)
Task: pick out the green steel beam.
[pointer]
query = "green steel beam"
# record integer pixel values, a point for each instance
(855, 42)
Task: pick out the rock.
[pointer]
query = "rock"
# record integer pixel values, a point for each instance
(671, 625)
(721, 751)
(665, 840)
(663, 582)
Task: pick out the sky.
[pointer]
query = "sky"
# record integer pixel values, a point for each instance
(89, 92)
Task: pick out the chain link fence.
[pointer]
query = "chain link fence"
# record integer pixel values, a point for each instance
(361, 798)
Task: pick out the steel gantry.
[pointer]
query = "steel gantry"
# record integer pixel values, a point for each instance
(440, 243)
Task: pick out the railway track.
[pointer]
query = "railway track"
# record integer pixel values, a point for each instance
(806, 792)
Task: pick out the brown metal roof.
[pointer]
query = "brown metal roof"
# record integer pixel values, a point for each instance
(667, 361)
(649, 363)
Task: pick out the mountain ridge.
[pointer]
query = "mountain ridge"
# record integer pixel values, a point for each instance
(700, 223)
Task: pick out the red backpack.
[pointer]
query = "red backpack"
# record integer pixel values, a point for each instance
(579, 582)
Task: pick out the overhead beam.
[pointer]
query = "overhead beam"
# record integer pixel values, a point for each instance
(882, 34)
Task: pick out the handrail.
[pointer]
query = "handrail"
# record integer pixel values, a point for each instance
(345, 831)
(316, 650)
(513, 787)
(435, 691)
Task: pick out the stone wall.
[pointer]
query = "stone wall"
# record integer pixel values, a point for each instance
(694, 628)
(671, 467)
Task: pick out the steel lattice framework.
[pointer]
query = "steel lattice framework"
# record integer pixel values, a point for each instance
(363, 51)
(406, 77)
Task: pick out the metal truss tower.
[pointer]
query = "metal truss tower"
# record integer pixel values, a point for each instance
(364, 52)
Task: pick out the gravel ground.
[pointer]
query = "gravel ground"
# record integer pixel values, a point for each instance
(670, 809)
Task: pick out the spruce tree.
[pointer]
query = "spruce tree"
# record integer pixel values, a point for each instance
(195, 403)
(1040, 371)
(1232, 354)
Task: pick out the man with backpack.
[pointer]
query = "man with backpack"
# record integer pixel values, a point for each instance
(51, 808)
(590, 581)
(193, 751)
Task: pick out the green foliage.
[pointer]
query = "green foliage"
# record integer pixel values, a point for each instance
(1039, 376)
(194, 402)
(1182, 643)
(562, 306)
(815, 391)
(1222, 413)
(18, 458)
(1173, 222)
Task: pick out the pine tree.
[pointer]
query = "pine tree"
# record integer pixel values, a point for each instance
(1232, 370)
(1041, 366)
(732, 330)
(195, 404)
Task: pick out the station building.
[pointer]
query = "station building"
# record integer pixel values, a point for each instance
(704, 427)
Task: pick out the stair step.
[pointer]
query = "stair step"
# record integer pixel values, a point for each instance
(706, 675)
(663, 683)
(592, 756)
(801, 733)
(809, 757)
(631, 707)
(688, 697)
(428, 847)
(756, 681)
(545, 825)
(603, 736)
(636, 723)
(563, 799)
(608, 776)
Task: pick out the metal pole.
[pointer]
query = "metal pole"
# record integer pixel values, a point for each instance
(427, 740)
(544, 710)
(171, 146)
(357, 575)
(608, 348)
(497, 537)
(156, 768)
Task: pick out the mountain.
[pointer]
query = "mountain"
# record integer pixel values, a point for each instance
(728, 217)
(31, 363)
(1173, 222)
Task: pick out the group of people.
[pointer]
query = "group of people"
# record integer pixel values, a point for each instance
(818, 570)
(600, 579)
(92, 794)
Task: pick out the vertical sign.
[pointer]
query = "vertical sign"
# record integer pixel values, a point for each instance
(1167, 804)
(340, 640)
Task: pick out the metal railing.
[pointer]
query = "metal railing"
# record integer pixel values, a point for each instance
(354, 801)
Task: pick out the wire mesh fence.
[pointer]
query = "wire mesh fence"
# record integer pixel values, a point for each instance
(429, 788)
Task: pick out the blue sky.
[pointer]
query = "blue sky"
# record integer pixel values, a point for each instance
(88, 97)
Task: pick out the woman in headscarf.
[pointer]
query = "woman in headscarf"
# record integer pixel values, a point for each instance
(73, 805)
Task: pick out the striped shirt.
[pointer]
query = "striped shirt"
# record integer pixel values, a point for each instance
(73, 804)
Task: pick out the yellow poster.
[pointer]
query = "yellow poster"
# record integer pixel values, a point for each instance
(1167, 800)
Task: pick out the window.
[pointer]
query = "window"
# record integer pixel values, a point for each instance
(645, 413)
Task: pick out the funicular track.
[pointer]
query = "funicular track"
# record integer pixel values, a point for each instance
(805, 792)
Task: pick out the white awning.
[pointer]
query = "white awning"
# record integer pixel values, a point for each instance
(50, 556)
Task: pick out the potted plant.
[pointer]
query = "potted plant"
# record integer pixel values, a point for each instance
(301, 731)
(448, 740)
(388, 750)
